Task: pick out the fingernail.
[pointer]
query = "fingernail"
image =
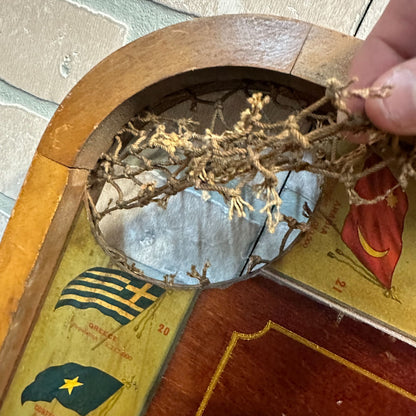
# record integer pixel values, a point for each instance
(395, 113)
(341, 116)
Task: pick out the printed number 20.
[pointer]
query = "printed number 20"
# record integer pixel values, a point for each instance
(163, 329)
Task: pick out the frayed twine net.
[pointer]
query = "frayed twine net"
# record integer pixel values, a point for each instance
(249, 154)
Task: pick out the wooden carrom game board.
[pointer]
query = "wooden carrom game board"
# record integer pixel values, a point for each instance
(317, 332)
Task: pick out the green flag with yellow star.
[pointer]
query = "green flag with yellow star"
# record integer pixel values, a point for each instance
(81, 389)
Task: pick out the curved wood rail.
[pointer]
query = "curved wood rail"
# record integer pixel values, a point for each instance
(82, 128)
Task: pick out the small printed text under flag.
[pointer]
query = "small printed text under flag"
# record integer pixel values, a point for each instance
(113, 292)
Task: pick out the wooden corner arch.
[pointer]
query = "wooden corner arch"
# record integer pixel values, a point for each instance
(141, 73)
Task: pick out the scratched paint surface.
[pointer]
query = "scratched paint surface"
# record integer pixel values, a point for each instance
(323, 261)
(131, 353)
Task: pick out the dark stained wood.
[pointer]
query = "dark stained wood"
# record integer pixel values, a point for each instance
(276, 374)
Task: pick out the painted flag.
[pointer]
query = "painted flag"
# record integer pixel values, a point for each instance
(114, 293)
(374, 232)
(81, 389)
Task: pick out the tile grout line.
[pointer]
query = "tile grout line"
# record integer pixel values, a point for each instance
(6, 205)
(11, 95)
(193, 15)
(367, 9)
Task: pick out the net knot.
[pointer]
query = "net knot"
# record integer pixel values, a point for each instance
(294, 133)
(337, 92)
(218, 106)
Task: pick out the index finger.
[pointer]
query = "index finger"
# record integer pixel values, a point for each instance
(391, 42)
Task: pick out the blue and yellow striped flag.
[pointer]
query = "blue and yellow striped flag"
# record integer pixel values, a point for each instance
(113, 292)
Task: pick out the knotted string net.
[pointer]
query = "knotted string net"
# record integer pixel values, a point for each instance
(158, 156)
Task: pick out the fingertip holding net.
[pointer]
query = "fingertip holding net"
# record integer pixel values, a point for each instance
(161, 157)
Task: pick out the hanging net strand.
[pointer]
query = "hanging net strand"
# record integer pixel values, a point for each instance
(162, 156)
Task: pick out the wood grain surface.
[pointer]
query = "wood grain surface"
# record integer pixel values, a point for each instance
(343, 17)
(27, 230)
(282, 372)
(324, 54)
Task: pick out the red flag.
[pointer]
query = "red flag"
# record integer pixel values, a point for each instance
(374, 232)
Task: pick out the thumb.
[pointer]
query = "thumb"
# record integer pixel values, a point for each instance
(396, 113)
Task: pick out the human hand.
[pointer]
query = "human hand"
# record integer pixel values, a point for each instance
(388, 58)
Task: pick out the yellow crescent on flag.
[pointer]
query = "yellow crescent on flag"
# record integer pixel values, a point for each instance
(368, 249)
